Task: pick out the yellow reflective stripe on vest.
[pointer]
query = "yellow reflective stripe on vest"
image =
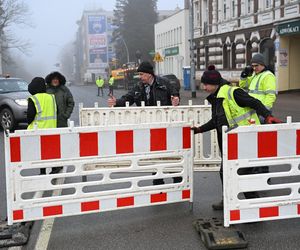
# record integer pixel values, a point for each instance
(39, 110)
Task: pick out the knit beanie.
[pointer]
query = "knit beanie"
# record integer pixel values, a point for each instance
(259, 59)
(146, 67)
(211, 76)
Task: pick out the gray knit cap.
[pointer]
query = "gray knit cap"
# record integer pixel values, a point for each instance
(259, 59)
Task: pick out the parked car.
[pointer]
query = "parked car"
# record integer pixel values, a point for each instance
(173, 80)
(13, 102)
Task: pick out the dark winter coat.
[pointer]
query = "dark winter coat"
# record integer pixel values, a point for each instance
(161, 90)
(64, 98)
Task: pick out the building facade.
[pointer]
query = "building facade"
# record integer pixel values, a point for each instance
(94, 51)
(228, 33)
(171, 42)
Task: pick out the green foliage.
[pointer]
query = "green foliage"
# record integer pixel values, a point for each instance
(135, 20)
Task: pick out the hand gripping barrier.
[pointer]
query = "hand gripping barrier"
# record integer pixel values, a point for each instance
(106, 187)
(251, 195)
(206, 158)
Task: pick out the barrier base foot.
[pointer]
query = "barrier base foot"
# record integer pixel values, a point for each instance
(14, 235)
(215, 236)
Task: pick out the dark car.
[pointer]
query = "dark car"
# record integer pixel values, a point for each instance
(13, 102)
(173, 80)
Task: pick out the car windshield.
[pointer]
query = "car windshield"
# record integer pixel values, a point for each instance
(13, 85)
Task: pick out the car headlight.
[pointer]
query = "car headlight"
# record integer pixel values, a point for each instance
(22, 102)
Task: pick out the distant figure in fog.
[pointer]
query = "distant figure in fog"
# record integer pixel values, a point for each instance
(63, 96)
(100, 84)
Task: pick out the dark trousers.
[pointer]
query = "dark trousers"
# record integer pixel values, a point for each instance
(111, 90)
(100, 89)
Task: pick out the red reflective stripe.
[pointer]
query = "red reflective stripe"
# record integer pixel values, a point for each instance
(298, 208)
(267, 144)
(158, 197)
(88, 144)
(125, 202)
(15, 149)
(232, 146)
(124, 142)
(268, 212)
(53, 210)
(50, 147)
(18, 215)
(186, 194)
(235, 215)
(298, 142)
(158, 139)
(186, 137)
(90, 206)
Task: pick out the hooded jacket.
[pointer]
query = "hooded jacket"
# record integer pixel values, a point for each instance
(63, 97)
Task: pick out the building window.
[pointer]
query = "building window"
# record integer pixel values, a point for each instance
(224, 11)
(248, 6)
(268, 4)
(233, 8)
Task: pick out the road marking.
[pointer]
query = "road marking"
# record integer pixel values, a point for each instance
(47, 225)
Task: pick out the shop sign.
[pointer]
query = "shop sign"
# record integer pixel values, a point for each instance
(289, 28)
(172, 51)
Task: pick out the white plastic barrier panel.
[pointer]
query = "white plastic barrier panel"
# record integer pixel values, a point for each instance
(106, 187)
(261, 173)
(206, 158)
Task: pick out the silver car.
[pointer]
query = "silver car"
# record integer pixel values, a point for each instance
(13, 102)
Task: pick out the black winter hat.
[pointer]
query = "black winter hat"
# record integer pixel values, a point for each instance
(146, 67)
(55, 74)
(211, 76)
(259, 59)
(37, 85)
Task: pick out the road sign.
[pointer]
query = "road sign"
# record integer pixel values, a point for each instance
(157, 57)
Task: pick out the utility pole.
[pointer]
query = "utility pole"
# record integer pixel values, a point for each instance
(192, 61)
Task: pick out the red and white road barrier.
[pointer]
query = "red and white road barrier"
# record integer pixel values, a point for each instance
(105, 187)
(277, 190)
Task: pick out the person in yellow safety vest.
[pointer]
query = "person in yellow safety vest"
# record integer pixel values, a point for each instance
(259, 81)
(41, 109)
(231, 107)
(111, 85)
(100, 84)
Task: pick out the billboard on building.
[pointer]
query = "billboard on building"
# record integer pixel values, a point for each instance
(97, 41)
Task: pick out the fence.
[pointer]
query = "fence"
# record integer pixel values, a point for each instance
(90, 190)
(252, 191)
(205, 158)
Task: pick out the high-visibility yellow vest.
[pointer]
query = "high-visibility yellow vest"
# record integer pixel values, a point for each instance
(45, 106)
(236, 115)
(262, 87)
(111, 81)
(100, 82)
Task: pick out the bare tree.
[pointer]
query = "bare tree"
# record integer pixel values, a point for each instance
(12, 13)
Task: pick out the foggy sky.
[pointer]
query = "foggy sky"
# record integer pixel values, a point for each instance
(55, 26)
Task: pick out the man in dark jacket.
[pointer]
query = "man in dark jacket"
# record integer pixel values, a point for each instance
(150, 89)
(214, 84)
(64, 99)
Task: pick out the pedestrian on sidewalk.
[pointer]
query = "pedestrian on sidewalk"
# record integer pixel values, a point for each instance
(100, 84)
(231, 107)
(111, 83)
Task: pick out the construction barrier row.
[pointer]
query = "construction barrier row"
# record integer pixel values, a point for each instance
(104, 187)
(205, 158)
(261, 173)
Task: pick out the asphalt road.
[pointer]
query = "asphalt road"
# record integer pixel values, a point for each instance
(166, 226)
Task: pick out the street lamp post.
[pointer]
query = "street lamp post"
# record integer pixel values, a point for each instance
(127, 52)
(191, 24)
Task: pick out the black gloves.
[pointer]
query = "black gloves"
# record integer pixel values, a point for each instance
(248, 71)
(196, 130)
